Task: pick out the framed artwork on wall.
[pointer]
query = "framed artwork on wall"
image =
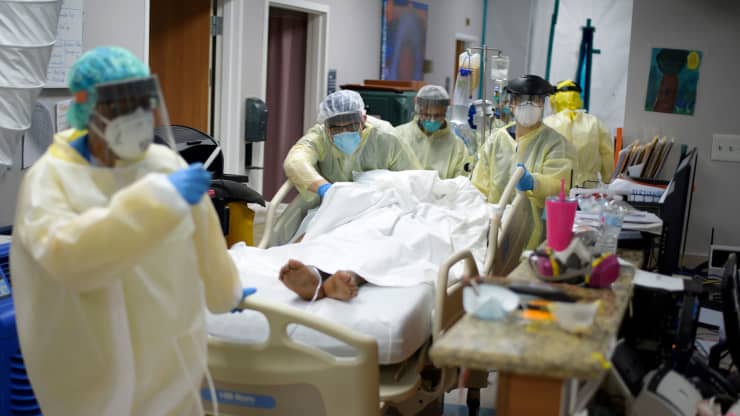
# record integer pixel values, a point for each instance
(403, 40)
(674, 75)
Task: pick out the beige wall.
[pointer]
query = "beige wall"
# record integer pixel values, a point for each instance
(711, 27)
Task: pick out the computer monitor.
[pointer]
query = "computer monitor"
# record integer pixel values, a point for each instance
(673, 213)
(730, 290)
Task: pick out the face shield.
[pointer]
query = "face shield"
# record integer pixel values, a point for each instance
(344, 131)
(431, 117)
(567, 97)
(531, 99)
(126, 114)
(342, 123)
(435, 110)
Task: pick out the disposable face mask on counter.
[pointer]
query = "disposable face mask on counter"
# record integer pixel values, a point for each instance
(491, 304)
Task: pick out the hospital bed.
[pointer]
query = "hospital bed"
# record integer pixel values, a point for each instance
(337, 362)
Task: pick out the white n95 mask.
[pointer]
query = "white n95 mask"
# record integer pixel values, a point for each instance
(527, 114)
(130, 135)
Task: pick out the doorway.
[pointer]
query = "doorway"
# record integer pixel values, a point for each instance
(460, 46)
(180, 55)
(242, 72)
(286, 87)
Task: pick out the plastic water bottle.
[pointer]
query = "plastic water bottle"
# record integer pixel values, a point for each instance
(611, 224)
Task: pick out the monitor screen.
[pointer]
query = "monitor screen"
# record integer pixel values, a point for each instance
(719, 257)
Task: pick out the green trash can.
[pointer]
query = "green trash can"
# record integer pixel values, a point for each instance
(393, 106)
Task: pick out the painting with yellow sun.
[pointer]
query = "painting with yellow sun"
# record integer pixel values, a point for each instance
(674, 75)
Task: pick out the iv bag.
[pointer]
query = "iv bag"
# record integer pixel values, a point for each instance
(499, 67)
(466, 84)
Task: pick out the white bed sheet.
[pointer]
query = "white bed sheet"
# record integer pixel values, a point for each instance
(399, 318)
(392, 228)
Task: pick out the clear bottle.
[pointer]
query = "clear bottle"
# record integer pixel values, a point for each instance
(612, 216)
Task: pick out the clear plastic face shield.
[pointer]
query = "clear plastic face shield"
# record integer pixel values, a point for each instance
(432, 109)
(343, 123)
(126, 115)
(522, 99)
(344, 131)
(431, 114)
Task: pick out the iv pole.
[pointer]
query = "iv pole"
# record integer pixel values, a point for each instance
(483, 75)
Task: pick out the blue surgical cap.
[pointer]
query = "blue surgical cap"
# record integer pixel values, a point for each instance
(96, 66)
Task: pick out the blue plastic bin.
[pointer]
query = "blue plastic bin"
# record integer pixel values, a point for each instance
(17, 397)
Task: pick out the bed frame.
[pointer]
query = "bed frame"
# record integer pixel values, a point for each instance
(283, 377)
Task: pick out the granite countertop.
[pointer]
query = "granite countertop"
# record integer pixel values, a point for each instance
(538, 347)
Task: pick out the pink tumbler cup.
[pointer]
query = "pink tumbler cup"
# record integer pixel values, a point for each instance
(560, 216)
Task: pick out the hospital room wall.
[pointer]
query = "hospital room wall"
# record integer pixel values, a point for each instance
(354, 35)
(507, 28)
(712, 28)
(611, 18)
(106, 22)
(446, 21)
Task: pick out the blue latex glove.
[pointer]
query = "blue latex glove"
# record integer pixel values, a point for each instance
(526, 183)
(323, 189)
(245, 292)
(191, 182)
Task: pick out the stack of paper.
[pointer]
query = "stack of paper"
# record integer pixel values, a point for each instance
(643, 161)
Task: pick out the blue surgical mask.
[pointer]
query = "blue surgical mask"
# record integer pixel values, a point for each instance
(430, 126)
(347, 142)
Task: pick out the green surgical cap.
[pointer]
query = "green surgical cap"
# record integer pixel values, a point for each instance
(96, 66)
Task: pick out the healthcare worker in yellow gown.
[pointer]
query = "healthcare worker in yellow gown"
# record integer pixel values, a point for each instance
(116, 255)
(542, 151)
(430, 137)
(592, 141)
(344, 140)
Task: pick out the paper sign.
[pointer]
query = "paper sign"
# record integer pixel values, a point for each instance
(68, 46)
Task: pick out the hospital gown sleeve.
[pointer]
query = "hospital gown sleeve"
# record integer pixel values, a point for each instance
(606, 152)
(217, 269)
(401, 156)
(89, 250)
(301, 162)
(557, 164)
(459, 158)
(481, 178)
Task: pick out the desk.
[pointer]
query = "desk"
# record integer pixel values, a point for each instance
(534, 359)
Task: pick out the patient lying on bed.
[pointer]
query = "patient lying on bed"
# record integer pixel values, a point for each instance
(309, 282)
(390, 229)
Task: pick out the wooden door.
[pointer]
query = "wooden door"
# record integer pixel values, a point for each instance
(180, 55)
(286, 86)
(459, 48)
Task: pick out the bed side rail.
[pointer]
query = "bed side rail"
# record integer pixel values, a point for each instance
(498, 215)
(279, 316)
(448, 302)
(270, 218)
(280, 361)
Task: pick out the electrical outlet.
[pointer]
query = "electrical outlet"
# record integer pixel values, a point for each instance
(726, 147)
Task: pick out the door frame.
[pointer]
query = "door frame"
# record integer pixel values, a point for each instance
(464, 37)
(316, 53)
(241, 65)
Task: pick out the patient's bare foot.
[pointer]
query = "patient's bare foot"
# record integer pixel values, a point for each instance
(300, 279)
(342, 285)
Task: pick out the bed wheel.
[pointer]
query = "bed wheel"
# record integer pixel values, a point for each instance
(473, 401)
